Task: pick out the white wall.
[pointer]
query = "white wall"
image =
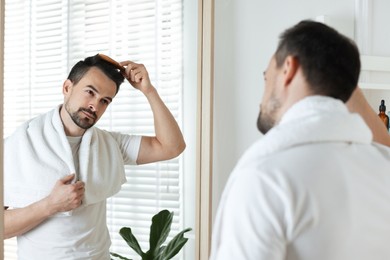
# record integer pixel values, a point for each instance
(373, 37)
(246, 34)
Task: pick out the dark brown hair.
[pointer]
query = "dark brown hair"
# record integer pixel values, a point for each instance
(330, 61)
(80, 68)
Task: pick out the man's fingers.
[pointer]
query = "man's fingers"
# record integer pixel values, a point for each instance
(67, 178)
(137, 77)
(79, 185)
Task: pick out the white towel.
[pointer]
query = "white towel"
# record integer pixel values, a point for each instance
(314, 119)
(38, 154)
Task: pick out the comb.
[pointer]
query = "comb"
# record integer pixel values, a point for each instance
(113, 62)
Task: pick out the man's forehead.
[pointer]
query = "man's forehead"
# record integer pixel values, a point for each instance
(99, 80)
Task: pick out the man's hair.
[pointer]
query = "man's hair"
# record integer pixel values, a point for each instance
(330, 61)
(82, 67)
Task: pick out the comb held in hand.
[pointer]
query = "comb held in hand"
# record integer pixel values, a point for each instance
(113, 62)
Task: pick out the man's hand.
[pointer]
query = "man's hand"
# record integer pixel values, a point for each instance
(138, 76)
(65, 195)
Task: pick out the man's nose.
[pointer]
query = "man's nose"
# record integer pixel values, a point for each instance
(92, 107)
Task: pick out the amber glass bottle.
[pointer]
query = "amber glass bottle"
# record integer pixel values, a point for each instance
(382, 114)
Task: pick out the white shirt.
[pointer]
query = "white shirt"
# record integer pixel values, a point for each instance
(83, 235)
(74, 142)
(314, 187)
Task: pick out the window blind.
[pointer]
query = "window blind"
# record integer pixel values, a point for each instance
(45, 38)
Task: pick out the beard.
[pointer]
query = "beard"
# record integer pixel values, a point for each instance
(81, 120)
(267, 117)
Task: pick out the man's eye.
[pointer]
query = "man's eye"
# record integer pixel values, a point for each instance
(106, 102)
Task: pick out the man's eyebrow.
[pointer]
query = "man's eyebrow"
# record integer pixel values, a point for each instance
(94, 89)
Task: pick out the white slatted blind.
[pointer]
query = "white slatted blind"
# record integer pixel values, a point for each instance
(45, 38)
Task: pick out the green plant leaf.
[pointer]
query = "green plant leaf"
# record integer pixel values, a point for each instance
(148, 256)
(130, 239)
(159, 230)
(119, 256)
(160, 251)
(174, 246)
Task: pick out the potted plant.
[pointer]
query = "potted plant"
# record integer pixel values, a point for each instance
(159, 231)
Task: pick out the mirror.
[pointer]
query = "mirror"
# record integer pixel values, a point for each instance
(44, 39)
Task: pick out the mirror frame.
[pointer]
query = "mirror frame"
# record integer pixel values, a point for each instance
(204, 128)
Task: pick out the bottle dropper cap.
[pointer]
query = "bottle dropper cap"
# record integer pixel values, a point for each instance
(382, 107)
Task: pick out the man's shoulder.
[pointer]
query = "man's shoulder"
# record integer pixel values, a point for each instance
(313, 159)
(106, 133)
(111, 136)
(382, 148)
(37, 121)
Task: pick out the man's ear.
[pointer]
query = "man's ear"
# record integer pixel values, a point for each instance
(66, 87)
(290, 68)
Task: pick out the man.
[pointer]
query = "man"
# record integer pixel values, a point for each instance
(60, 168)
(315, 186)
